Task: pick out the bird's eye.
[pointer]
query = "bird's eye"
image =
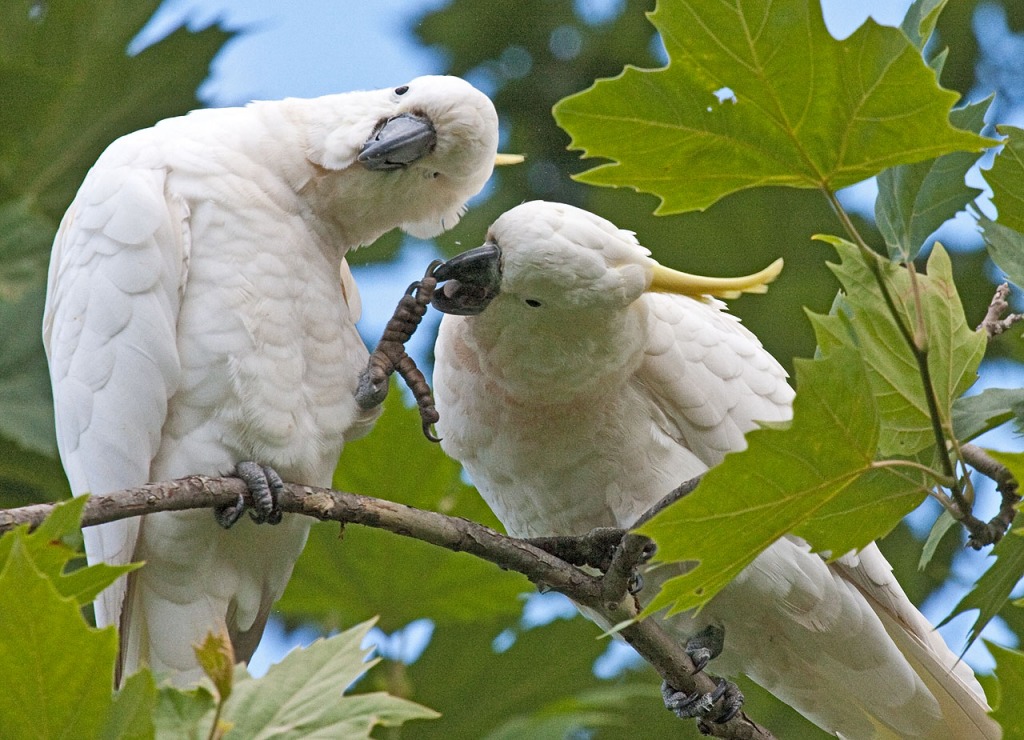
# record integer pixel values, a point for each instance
(532, 303)
(436, 175)
(401, 90)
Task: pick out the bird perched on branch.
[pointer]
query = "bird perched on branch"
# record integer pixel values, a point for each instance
(579, 381)
(196, 324)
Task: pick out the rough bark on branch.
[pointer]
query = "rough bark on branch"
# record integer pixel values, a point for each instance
(647, 637)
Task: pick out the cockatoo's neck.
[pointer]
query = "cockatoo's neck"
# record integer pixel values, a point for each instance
(552, 357)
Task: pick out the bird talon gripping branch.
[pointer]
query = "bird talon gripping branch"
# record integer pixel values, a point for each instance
(390, 354)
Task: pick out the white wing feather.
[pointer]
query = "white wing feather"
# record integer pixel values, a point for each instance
(709, 375)
(115, 281)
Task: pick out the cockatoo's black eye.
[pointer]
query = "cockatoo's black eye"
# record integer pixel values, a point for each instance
(532, 303)
(401, 90)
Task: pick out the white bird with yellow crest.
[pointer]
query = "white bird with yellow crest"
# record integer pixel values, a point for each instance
(579, 382)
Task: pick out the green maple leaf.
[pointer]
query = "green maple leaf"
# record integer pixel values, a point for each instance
(954, 349)
(816, 478)
(916, 199)
(302, 696)
(58, 672)
(1007, 178)
(1010, 672)
(802, 109)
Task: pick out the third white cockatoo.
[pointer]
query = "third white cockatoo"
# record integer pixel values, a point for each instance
(584, 381)
(200, 318)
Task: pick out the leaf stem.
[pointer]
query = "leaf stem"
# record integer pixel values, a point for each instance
(918, 348)
(941, 480)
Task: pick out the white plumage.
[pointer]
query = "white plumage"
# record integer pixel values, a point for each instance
(576, 398)
(195, 319)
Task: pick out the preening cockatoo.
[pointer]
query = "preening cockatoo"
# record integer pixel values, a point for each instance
(195, 320)
(584, 381)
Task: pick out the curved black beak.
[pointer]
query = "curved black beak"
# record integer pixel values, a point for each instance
(468, 282)
(399, 142)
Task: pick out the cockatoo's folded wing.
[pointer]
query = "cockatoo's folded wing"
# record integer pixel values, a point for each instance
(710, 376)
(116, 276)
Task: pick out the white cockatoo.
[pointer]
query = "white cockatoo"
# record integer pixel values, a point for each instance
(583, 381)
(196, 321)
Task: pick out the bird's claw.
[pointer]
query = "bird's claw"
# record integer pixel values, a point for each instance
(372, 388)
(264, 485)
(596, 548)
(705, 646)
(390, 355)
(227, 515)
(698, 705)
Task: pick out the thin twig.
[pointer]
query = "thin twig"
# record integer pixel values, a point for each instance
(663, 651)
(1006, 484)
(994, 322)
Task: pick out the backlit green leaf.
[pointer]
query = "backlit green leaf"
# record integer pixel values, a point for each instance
(58, 672)
(816, 478)
(1010, 672)
(758, 94)
(916, 199)
(992, 590)
(1007, 179)
(301, 697)
(954, 349)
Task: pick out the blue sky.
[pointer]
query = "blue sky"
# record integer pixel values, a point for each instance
(307, 48)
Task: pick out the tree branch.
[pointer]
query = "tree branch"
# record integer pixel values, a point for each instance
(994, 322)
(982, 533)
(664, 652)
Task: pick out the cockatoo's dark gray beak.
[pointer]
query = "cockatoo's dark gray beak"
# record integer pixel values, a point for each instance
(399, 142)
(468, 282)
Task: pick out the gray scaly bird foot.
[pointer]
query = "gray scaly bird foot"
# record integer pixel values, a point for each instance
(703, 647)
(264, 486)
(697, 705)
(706, 645)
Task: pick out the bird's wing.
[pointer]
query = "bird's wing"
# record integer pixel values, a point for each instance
(116, 275)
(710, 376)
(950, 680)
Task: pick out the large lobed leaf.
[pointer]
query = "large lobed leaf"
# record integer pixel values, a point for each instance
(70, 89)
(916, 199)
(819, 478)
(1005, 236)
(758, 93)
(301, 697)
(51, 555)
(992, 591)
(1010, 672)
(954, 349)
(58, 671)
(822, 465)
(1006, 178)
